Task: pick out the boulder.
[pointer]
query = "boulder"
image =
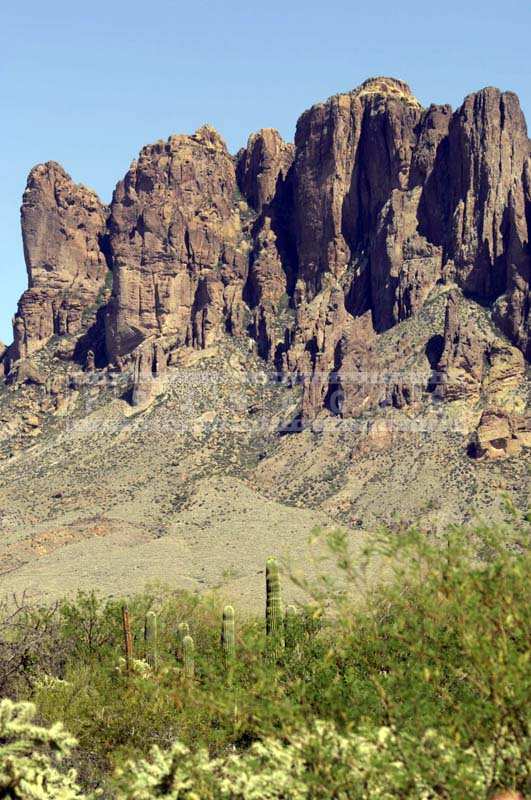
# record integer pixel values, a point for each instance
(496, 436)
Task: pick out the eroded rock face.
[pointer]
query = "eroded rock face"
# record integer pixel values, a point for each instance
(487, 149)
(177, 245)
(314, 250)
(475, 363)
(460, 368)
(262, 166)
(63, 230)
(264, 178)
(390, 200)
(149, 367)
(496, 436)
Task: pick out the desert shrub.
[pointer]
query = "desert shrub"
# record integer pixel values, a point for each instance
(318, 763)
(31, 756)
(442, 645)
(28, 645)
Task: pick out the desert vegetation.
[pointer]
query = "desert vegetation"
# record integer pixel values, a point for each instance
(419, 691)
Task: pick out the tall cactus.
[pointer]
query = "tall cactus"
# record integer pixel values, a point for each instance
(188, 658)
(274, 615)
(151, 640)
(290, 627)
(227, 635)
(183, 630)
(128, 639)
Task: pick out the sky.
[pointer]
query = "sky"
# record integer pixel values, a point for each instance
(88, 84)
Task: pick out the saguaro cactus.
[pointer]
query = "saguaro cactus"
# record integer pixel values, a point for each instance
(188, 657)
(274, 615)
(151, 640)
(128, 639)
(227, 634)
(290, 626)
(182, 631)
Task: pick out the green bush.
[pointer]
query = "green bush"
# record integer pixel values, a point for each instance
(437, 655)
(319, 763)
(31, 756)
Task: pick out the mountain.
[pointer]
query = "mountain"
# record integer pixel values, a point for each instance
(336, 330)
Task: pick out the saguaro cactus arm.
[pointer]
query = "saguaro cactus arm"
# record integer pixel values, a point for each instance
(227, 633)
(188, 657)
(274, 613)
(151, 640)
(128, 638)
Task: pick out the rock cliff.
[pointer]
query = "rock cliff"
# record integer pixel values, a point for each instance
(65, 246)
(309, 252)
(177, 244)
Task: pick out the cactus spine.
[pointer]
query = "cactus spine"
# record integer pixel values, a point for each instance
(128, 639)
(182, 631)
(227, 635)
(188, 657)
(274, 615)
(151, 640)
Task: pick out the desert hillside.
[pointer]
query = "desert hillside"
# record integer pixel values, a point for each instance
(241, 348)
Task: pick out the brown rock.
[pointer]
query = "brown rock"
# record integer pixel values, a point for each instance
(149, 366)
(177, 245)
(313, 250)
(3, 360)
(26, 372)
(475, 362)
(263, 172)
(262, 165)
(512, 309)
(63, 228)
(487, 148)
(459, 372)
(522, 426)
(496, 436)
(505, 373)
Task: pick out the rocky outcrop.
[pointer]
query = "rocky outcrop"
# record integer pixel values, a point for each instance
(178, 246)
(314, 250)
(475, 363)
(487, 149)
(264, 179)
(459, 372)
(496, 436)
(149, 367)
(512, 309)
(390, 199)
(262, 167)
(63, 230)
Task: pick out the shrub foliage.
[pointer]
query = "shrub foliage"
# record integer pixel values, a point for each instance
(421, 691)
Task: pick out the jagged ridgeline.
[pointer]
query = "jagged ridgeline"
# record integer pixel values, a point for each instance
(376, 202)
(379, 264)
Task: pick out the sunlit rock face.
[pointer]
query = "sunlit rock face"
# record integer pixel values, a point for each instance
(63, 230)
(177, 245)
(311, 250)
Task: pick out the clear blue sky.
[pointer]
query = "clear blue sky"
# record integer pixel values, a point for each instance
(87, 84)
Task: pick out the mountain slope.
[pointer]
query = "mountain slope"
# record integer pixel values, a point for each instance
(330, 332)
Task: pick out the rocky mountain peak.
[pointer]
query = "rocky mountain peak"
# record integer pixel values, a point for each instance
(64, 236)
(308, 254)
(387, 87)
(209, 136)
(259, 166)
(366, 287)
